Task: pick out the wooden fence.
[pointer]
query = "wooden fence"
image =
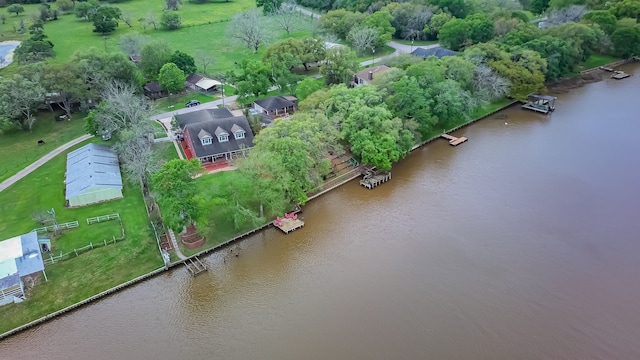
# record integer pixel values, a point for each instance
(48, 260)
(98, 219)
(45, 229)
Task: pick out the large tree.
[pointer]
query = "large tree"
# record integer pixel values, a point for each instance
(604, 18)
(184, 61)
(20, 98)
(249, 27)
(269, 6)
(136, 156)
(121, 109)
(105, 19)
(340, 22)
(152, 56)
(454, 34)
(254, 80)
(131, 43)
(286, 17)
(99, 69)
(363, 38)
(626, 41)
(340, 66)
(66, 81)
(177, 194)
(381, 22)
(171, 78)
(170, 20)
(15, 9)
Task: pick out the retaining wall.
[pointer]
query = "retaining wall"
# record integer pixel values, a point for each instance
(83, 302)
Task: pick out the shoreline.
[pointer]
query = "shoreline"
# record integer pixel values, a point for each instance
(228, 242)
(8, 59)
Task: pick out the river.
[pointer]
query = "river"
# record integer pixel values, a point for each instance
(521, 243)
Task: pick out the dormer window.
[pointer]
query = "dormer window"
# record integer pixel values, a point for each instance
(222, 135)
(238, 132)
(205, 137)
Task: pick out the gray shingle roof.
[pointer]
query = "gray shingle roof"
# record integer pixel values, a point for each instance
(274, 103)
(203, 115)
(219, 126)
(9, 281)
(438, 52)
(203, 134)
(92, 166)
(235, 128)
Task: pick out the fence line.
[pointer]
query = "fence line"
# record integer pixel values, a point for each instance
(98, 219)
(58, 258)
(67, 225)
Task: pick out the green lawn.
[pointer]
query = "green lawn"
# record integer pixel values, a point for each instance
(386, 50)
(179, 101)
(596, 60)
(166, 151)
(90, 273)
(158, 129)
(20, 148)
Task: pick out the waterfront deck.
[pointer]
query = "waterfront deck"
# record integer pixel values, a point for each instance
(288, 225)
(454, 141)
(195, 266)
(372, 180)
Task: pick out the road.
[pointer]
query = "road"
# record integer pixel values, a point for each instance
(36, 164)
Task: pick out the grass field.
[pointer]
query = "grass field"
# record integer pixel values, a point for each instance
(166, 151)
(596, 60)
(204, 28)
(20, 148)
(90, 273)
(179, 101)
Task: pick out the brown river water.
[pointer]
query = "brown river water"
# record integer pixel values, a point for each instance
(522, 243)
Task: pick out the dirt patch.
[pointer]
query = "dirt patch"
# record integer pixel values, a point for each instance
(566, 85)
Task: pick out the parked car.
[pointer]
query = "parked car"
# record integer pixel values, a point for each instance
(192, 103)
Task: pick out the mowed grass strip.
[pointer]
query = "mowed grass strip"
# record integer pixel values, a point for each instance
(20, 148)
(90, 273)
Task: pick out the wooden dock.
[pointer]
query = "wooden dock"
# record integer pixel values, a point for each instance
(454, 141)
(195, 266)
(288, 225)
(619, 75)
(605, 68)
(372, 180)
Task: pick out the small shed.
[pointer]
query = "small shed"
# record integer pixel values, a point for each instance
(152, 90)
(93, 176)
(19, 257)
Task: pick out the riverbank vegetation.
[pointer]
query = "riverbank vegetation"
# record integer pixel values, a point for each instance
(91, 272)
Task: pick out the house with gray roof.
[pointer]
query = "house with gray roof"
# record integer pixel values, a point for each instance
(19, 257)
(93, 176)
(215, 134)
(276, 106)
(437, 51)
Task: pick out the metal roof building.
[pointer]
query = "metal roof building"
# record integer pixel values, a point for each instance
(93, 176)
(19, 256)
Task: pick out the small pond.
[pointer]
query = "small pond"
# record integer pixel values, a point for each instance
(6, 52)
